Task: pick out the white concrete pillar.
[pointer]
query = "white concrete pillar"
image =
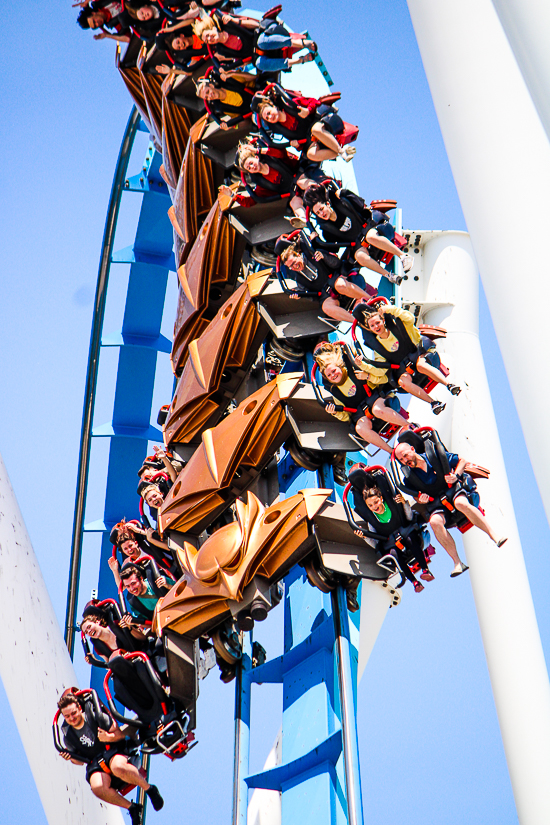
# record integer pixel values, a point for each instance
(500, 158)
(35, 668)
(527, 27)
(504, 605)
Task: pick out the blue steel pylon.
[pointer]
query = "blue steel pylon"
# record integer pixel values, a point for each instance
(319, 775)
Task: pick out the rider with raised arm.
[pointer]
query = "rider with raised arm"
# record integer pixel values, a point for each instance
(392, 334)
(435, 490)
(344, 219)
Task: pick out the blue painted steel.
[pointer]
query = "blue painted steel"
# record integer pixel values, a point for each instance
(242, 733)
(318, 672)
(139, 341)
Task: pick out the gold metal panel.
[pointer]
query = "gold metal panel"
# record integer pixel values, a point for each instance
(227, 344)
(213, 260)
(229, 458)
(151, 86)
(176, 126)
(132, 82)
(195, 189)
(263, 541)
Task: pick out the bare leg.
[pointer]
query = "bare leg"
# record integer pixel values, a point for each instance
(350, 290)
(329, 148)
(380, 410)
(437, 523)
(364, 259)
(100, 784)
(406, 383)
(383, 243)
(332, 308)
(432, 372)
(124, 770)
(364, 429)
(475, 516)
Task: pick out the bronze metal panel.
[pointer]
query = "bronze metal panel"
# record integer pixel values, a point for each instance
(217, 364)
(132, 82)
(176, 126)
(263, 541)
(151, 85)
(207, 278)
(229, 458)
(195, 189)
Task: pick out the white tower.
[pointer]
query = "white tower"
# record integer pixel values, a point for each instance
(35, 668)
(447, 293)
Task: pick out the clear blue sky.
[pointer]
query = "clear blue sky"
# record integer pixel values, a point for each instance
(436, 757)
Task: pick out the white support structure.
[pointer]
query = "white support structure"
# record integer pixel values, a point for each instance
(500, 158)
(35, 668)
(527, 27)
(447, 290)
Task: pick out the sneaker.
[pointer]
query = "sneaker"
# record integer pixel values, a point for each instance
(418, 588)
(437, 407)
(454, 389)
(135, 811)
(501, 541)
(407, 262)
(427, 576)
(155, 798)
(393, 278)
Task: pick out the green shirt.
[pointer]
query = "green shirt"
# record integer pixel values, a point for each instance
(385, 516)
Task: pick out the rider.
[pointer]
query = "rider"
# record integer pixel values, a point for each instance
(426, 476)
(89, 732)
(358, 386)
(344, 218)
(392, 334)
(227, 96)
(391, 517)
(320, 273)
(143, 594)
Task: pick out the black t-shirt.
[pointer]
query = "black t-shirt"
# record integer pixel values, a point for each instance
(85, 741)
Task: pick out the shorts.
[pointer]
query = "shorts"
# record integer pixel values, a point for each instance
(105, 758)
(367, 405)
(468, 489)
(333, 123)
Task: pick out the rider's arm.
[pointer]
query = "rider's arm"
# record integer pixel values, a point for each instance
(407, 319)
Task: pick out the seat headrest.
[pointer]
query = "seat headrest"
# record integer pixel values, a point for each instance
(412, 438)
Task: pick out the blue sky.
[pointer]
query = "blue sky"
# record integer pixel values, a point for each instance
(435, 756)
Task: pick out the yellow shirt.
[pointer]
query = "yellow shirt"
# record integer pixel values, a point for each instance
(376, 377)
(391, 343)
(232, 98)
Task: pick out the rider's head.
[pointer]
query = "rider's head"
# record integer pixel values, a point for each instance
(330, 360)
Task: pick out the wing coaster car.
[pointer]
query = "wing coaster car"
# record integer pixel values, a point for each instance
(408, 482)
(235, 572)
(90, 704)
(229, 459)
(385, 539)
